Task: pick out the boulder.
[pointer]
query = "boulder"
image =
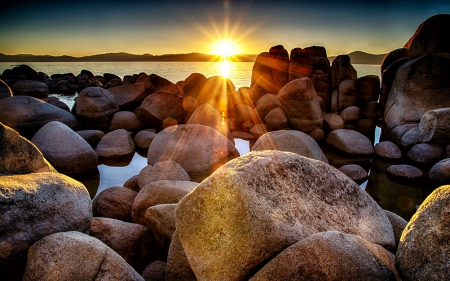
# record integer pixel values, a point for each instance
(265, 201)
(133, 242)
(420, 85)
(350, 142)
(95, 107)
(219, 93)
(5, 90)
(393, 56)
(159, 192)
(322, 85)
(398, 225)
(76, 256)
(125, 120)
(193, 85)
(403, 172)
(291, 141)
(279, 65)
(347, 94)
(129, 97)
(132, 183)
(342, 69)
(199, 149)
(144, 138)
(318, 135)
(424, 249)
(156, 271)
(276, 119)
(440, 171)
(266, 104)
(388, 150)
(164, 170)
(367, 89)
(369, 110)
(34, 206)
(332, 121)
(260, 67)
(350, 114)
(330, 255)
(27, 115)
(67, 151)
(115, 144)
(434, 126)
(354, 172)
(91, 136)
(154, 83)
(243, 112)
(178, 267)
(430, 37)
(410, 137)
(258, 130)
(31, 88)
(114, 202)
(207, 115)
(425, 153)
(56, 102)
(300, 65)
(263, 85)
(299, 101)
(162, 109)
(20, 156)
(161, 220)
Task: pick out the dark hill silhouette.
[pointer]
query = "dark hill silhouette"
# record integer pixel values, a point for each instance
(359, 57)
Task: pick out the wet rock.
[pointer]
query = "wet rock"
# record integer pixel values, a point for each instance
(199, 149)
(5, 91)
(367, 89)
(423, 250)
(347, 94)
(354, 172)
(299, 102)
(342, 69)
(403, 172)
(27, 115)
(95, 107)
(76, 256)
(30, 88)
(425, 153)
(125, 120)
(162, 109)
(350, 142)
(156, 271)
(129, 97)
(164, 170)
(178, 267)
(430, 37)
(144, 138)
(67, 151)
(440, 171)
(159, 192)
(115, 144)
(20, 156)
(388, 150)
(433, 126)
(290, 141)
(161, 220)
(91, 136)
(114, 202)
(255, 216)
(133, 242)
(34, 206)
(276, 119)
(350, 114)
(398, 225)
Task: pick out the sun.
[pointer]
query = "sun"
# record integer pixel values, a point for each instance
(225, 48)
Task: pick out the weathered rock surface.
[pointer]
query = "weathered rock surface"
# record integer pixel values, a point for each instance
(114, 202)
(95, 107)
(161, 220)
(388, 150)
(34, 206)
(331, 255)
(159, 192)
(31, 88)
(424, 249)
(299, 101)
(20, 156)
(162, 109)
(76, 256)
(262, 203)
(27, 115)
(440, 171)
(115, 144)
(164, 170)
(133, 242)
(199, 149)
(350, 142)
(291, 141)
(67, 151)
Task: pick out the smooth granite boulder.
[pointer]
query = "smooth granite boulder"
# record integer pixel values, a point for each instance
(342, 69)
(164, 170)
(398, 225)
(350, 142)
(403, 172)
(388, 150)
(219, 93)
(114, 202)
(156, 271)
(34, 206)
(92, 137)
(129, 97)
(440, 171)
(143, 139)
(76, 256)
(257, 205)
(66, 150)
(434, 126)
(424, 249)
(425, 153)
(199, 149)
(125, 120)
(31, 88)
(276, 119)
(354, 172)
(266, 104)
(178, 267)
(20, 156)
(161, 220)
(116, 144)
(162, 109)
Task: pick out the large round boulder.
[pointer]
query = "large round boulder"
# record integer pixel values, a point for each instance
(27, 115)
(115, 144)
(34, 206)
(66, 150)
(95, 107)
(290, 141)
(114, 202)
(350, 142)
(261, 203)
(164, 170)
(162, 109)
(218, 92)
(31, 88)
(199, 149)
(423, 250)
(76, 256)
(129, 97)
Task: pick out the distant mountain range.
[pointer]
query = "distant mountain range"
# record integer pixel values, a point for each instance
(357, 57)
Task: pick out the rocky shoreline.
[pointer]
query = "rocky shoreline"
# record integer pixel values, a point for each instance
(199, 210)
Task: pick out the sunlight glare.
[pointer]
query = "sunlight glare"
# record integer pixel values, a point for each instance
(225, 68)
(225, 48)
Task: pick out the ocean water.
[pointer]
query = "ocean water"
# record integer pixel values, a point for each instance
(393, 196)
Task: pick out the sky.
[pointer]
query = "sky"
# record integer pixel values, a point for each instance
(80, 28)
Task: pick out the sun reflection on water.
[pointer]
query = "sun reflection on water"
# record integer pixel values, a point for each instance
(225, 65)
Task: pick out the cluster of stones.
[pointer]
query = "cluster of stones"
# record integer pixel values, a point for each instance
(198, 211)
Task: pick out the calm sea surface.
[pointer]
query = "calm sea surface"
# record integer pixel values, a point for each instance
(396, 197)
